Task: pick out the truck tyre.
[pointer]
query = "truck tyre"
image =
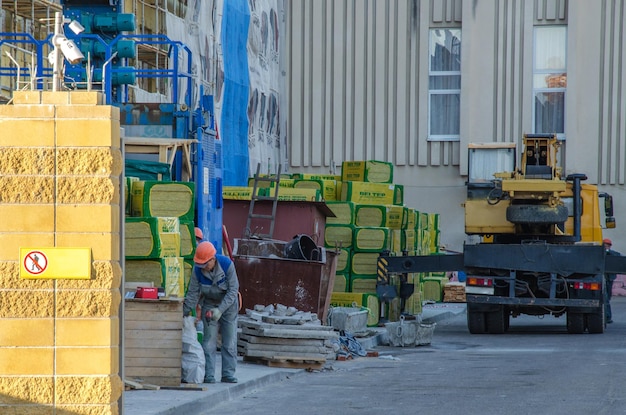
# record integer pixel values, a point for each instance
(575, 323)
(536, 214)
(595, 322)
(495, 320)
(475, 321)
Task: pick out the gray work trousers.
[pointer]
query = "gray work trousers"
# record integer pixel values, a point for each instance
(228, 326)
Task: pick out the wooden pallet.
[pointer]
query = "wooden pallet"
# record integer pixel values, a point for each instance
(288, 363)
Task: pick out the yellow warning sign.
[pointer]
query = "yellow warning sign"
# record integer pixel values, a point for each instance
(53, 263)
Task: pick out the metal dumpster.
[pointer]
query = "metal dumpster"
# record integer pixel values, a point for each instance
(266, 276)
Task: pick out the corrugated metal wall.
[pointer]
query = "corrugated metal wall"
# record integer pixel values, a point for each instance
(356, 72)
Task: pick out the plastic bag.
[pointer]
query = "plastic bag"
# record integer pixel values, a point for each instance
(193, 354)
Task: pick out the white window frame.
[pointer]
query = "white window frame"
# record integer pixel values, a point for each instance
(434, 92)
(547, 72)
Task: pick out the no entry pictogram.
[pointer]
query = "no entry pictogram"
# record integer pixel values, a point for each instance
(35, 262)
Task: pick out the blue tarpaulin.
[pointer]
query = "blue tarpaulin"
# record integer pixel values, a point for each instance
(233, 129)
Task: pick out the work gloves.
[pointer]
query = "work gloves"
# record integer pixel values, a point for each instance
(214, 314)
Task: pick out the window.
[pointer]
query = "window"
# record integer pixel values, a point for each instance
(549, 80)
(444, 85)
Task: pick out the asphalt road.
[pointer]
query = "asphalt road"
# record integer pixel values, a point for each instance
(536, 368)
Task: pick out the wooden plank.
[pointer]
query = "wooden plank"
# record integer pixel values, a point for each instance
(161, 381)
(133, 372)
(288, 364)
(154, 334)
(153, 315)
(153, 325)
(153, 344)
(171, 353)
(139, 385)
(185, 387)
(287, 356)
(151, 362)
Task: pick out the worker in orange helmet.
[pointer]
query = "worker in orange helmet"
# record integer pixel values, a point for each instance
(609, 278)
(214, 284)
(199, 235)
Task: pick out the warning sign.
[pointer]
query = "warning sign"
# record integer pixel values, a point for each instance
(53, 263)
(35, 262)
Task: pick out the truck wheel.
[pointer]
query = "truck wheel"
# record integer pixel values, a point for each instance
(595, 322)
(575, 323)
(475, 321)
(496, 321)
(536, 214)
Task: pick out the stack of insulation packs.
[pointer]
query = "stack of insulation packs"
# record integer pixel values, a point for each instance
(370, 218)
(159, 234)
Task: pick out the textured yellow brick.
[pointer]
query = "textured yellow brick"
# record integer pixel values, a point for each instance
(91, 161)
(86, 331)
(27, 160)
(26, 132)
(26, 97)
(10, 243)
(105, 275)
(100, 390)
(86, 98)
(87, 360)
(104, 246)
(10, 278)
(88, 133)
(89, 409)
(26, 218)
(81, 189)
(86, 218)
(87, 303)
(55, 97)
(26, 303)
(26, 361)
(26, 189)
(20, 389)
(26, 332)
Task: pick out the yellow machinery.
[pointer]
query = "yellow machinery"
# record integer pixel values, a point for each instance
(540, 250)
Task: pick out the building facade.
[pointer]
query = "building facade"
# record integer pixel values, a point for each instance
(413, 82)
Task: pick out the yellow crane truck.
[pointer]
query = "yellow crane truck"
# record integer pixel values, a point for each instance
(538, 241)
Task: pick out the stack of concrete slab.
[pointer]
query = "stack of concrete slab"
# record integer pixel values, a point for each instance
(298, 341)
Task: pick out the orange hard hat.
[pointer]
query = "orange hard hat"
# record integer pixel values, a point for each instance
(205, 251)
(198, 233)
(607, 241)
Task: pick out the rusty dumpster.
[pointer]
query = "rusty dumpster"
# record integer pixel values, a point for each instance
(266, 276)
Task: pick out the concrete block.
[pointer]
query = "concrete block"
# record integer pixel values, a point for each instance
(55, 97)
(94, 161)
(27, 189)
(25, 304)
(98, 390)
(33, 332)
(88, 132)
(83, 303)
(26, 132)
(88, 112)
(27, 160)
(89, 409)
(26, 361)
(10, 243)
(86, 98)
(86, 218)
(105, 275)
(87, 331)
(86, 190)
(26, 218)
(26, 97)
(32, 389)
(86, 361)
(18, 112)
(104, 246)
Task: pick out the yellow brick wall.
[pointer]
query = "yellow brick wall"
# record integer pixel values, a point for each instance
(60, 174)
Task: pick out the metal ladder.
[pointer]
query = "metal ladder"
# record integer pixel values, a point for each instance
(275, 180)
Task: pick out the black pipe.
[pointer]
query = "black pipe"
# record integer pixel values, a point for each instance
(577, 178)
